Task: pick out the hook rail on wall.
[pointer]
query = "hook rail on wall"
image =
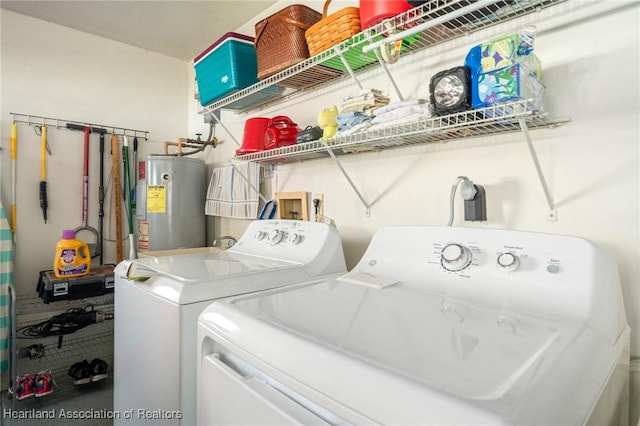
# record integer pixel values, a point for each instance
(59, 123)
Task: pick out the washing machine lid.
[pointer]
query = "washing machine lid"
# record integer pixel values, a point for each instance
(469, 349)
(475, 355)
(193, 278)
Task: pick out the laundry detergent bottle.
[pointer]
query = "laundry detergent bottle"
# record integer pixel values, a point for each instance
(73, 258)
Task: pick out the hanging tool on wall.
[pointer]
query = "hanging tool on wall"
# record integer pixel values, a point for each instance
(44, 148)
(127, 191)
(93, 247)
(134, 189)
(101, 197)
(117, 196)
(14, 161)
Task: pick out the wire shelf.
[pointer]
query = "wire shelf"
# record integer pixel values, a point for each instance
(90, 342)
(325, 67)
(33, 304)
(499, 118)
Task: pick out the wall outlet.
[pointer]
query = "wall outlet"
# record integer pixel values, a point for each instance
(317, 212)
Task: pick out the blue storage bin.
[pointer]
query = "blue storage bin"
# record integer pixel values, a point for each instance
(225, 67)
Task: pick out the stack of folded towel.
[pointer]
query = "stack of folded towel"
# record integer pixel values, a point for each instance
(364, 100)
(387, 115)
(357, 109)
(398, 112)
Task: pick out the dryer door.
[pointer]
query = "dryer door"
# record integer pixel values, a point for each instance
(228, 397)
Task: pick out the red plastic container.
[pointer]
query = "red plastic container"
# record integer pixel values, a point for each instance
(373, 12)
(253, 138)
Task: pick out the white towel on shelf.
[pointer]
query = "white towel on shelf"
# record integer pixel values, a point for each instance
(230, 192)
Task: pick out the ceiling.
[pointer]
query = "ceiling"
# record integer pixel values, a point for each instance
(177, 28)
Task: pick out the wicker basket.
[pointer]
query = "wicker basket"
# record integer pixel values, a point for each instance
(280, 41)
(333, 29)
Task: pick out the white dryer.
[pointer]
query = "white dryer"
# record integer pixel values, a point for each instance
(433, 326)
(157, 302)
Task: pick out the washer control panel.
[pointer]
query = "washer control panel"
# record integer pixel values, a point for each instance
(465, 257)
(294, 240)
(282, 233)
(546, 270)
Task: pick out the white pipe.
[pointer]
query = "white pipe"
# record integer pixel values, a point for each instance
(430, 24)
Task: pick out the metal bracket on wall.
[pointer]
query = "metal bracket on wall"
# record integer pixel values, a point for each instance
(218, 121)
(346, 175)
(348, 67)
(552, 216)
(384, 67)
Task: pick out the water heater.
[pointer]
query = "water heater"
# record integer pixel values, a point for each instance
(170, 200)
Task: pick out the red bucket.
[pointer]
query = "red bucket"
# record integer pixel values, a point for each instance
(253, 138)
(373, 12)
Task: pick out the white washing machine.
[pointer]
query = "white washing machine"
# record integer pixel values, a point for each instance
(433, 326)
(155, 344)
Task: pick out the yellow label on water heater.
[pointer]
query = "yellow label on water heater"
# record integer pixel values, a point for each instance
(156, 199)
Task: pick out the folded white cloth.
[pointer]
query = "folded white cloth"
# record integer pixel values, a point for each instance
(399, 121)
(355, 129)
(401, 112)
(400, 104)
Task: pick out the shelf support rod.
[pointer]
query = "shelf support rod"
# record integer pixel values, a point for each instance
(348, 67)
(384, 67)
(218, 121)
(536, 162)
(346, 175)
(383, 64)
(246, 179)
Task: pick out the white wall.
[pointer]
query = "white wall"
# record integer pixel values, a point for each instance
(52, 71)
(590, 60)
(589, 52)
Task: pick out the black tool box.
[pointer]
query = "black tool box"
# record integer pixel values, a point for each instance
(96, 283)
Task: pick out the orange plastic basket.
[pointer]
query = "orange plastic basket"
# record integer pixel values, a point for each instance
(280, 39)
(332, 29)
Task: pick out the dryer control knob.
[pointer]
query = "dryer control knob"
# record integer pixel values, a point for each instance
(455, 257)
(260, 235)
(508, 262)
(294, 238)
(275, 237)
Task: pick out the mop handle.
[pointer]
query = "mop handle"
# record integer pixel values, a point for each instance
(85, 178)
(14, 158)
(43, 154)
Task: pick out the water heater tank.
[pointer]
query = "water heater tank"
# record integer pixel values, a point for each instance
(170, 200)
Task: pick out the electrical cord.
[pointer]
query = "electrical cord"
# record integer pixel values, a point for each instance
(468, 191)
(66, 323)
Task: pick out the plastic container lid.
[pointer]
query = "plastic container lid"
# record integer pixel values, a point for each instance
(68, 234)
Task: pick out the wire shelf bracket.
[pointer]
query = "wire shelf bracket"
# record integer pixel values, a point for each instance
(348, 178)
(553, 213)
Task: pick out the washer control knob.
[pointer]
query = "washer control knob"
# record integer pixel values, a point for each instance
(508, 262)
(260, 235)
(455, 257)
(294, 238)
(275, 237)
